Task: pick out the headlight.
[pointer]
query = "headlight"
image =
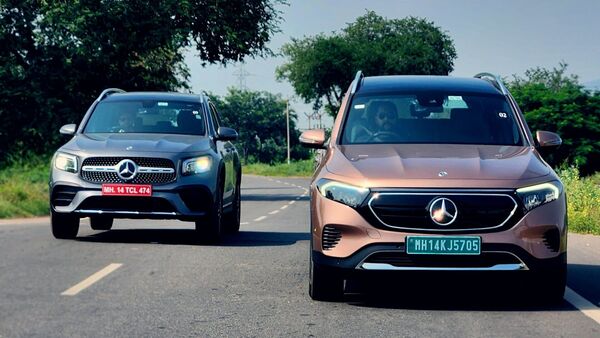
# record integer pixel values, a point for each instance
(197, 165)
(65, 162)
(343, 193)
(539, 194)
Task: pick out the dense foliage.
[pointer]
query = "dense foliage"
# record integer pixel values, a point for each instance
(553, 101)
(321, 67)
(260, 119)
(57, 56)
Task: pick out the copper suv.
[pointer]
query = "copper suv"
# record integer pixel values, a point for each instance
(435, 173)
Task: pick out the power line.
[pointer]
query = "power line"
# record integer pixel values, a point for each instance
(241, 75)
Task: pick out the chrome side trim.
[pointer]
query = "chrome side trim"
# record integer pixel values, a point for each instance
(440, 193)
(99, 212)
(389, 267)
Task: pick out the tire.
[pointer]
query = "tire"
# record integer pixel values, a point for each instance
(234, 216)
(64, 226)
(101, 222)
(324, 284)
(210, 229)
(548, 287)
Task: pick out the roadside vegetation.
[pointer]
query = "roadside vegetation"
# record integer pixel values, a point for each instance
(302, 168)
(583, 197)
(24, 188)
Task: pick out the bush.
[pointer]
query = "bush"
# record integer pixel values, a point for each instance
(583, 199)
(24, 187)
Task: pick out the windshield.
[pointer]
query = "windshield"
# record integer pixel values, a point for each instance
(436, 118)
(159, 117)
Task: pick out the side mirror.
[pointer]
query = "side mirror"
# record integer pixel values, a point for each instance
(68, 129)
(314, 138)
(547, 139)
(226, 134)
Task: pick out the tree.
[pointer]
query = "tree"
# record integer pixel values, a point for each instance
(321, 67)
(554, 101)
(58, 55)
(259, 118)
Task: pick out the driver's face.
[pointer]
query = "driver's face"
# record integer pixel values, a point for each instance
(125, 120)
(385, 119)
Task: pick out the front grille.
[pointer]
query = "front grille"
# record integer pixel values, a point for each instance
(401, 259)
(122, 203)
(331, 237)
(411, 211)
(140, 178)
(62, 195)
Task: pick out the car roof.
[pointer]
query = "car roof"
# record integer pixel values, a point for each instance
(393, 83)
(159, 96)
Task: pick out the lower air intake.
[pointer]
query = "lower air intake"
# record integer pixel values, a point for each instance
(331, 237)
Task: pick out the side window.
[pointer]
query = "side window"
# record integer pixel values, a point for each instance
(215, 116)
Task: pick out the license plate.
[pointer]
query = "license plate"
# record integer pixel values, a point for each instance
(126, 190)
(443, 245)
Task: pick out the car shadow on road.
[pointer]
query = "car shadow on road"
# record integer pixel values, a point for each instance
(584, 279)
(500, 294)
(189, 237)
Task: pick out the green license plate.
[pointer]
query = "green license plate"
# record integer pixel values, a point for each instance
(443, 245)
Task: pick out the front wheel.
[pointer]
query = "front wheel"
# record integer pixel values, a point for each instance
(324, 285)
(234, 217)
(210, 229)
(64, 226)
(549, 286)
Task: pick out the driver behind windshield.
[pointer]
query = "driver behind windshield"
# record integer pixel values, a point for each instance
(381, 121)
(125, 122)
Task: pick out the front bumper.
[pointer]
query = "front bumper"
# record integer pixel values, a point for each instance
(188, 198)
(524, 246)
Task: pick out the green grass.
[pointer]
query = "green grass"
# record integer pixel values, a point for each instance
(24, 188)
(583, 198)
(303, 168)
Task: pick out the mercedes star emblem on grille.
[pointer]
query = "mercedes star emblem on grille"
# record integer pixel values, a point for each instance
(443, 211)
(126, 170)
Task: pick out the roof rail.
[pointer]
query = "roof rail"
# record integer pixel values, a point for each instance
(107, 92)
(494, 80)
(356, 83)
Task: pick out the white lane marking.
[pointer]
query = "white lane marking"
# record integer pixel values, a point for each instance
(583, 305)
(258, 219)
(278, 181)
(77, 288)
(283, 207)
(244, 223)
(291, 202)
(273, 212)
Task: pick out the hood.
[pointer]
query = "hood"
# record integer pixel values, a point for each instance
(164, 143)
(393, 164)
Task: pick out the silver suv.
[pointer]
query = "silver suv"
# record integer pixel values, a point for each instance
(150, 155)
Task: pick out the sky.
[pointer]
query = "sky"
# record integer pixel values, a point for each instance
(503, 37)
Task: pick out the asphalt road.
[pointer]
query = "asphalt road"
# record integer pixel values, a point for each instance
(254, 284)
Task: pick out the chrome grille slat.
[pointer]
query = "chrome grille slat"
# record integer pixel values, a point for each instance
(151, 170)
